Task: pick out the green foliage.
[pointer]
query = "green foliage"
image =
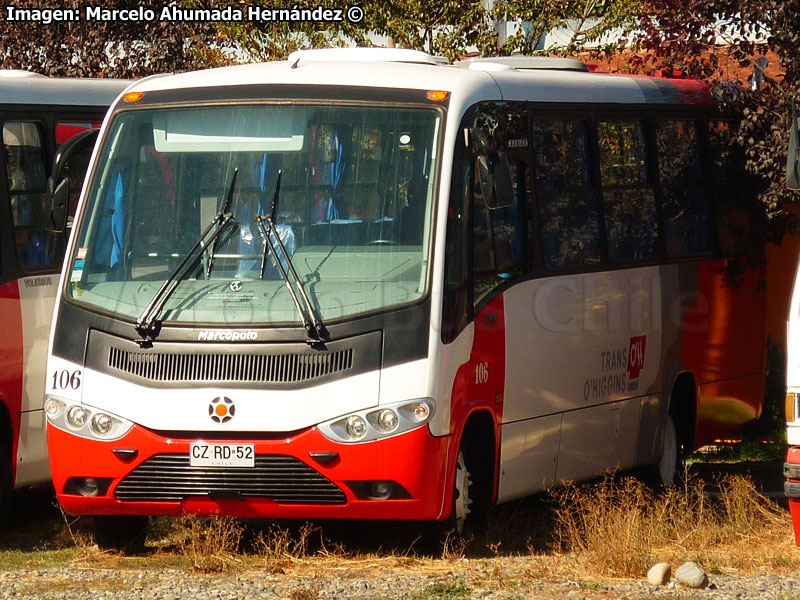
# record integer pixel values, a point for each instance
(107, 49)
(445, 591)
(685, 36)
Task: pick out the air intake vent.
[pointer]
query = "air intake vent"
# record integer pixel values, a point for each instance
(284, 479)
(249, 368)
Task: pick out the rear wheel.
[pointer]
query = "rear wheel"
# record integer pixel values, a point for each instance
(123, 533)
(667, 465)
(662, 473)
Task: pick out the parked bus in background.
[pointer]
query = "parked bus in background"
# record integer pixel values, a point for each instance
(791, 468)
(37, 115)
(366, 284)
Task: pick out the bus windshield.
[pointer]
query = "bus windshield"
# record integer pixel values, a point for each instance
(354, 210)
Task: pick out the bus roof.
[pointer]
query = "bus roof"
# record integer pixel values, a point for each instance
(29, 88)
(381, 68)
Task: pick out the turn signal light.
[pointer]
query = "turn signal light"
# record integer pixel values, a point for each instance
(791, 407)
(438, 95)
(133, 96)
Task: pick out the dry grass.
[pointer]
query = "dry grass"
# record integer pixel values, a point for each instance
(620, 527)
(211, 544)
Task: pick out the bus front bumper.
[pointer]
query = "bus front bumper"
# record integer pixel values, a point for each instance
(303, 475)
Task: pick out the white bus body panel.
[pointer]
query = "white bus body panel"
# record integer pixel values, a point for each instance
(793, 359)
(37, 296)
(256, 410)
(569, 343)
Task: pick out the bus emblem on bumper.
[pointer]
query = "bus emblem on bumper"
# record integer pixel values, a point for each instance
(221, 409)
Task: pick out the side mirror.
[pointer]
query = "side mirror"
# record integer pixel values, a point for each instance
(793, 157)
(58, 184)
(495, 179)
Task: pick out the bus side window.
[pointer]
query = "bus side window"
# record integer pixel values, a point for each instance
(566, 196)
(455, 301)
(684, 197)
(75, 168)
(27, 176)
(628, 199)
(733, 188)
(499, 239)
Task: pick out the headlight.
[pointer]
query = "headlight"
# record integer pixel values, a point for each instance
(52, 407)
(84, 421)
(355, 427)
(77, 416)
(387, 420)
(102, 424)
(372, 424)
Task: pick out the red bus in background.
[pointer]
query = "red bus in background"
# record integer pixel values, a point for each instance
(37, 115)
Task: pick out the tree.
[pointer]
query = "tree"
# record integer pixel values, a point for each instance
(266, 39)
(595, 23)
(696, 37)
(113, 48)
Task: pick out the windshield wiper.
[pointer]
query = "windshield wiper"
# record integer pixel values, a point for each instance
(148, 325)
(315, 330)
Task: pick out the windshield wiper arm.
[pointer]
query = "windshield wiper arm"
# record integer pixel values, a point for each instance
(147, 324)
(315, 330)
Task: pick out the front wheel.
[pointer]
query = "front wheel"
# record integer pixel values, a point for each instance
(126, 534)
(461, 497)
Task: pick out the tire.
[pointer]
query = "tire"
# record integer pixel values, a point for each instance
(663, 472)
(462, 481)
(124, 534)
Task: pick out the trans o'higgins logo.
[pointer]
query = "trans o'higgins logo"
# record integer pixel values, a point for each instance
(636, 360)
(619, 371)
(221, 409)
(226, 335)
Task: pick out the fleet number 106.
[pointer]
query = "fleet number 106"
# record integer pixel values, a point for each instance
(481, 373)
(64, 379)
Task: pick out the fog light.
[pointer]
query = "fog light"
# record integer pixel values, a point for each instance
(387, 420)
(77, 416)
(356, 427)
(51, 407)
(88, 487)
(381, 490)
(102, 424)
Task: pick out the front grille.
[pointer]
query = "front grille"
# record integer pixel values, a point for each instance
(230, 367)
(284, 479)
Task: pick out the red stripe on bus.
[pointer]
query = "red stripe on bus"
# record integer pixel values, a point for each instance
(11, 360)
(480, 382)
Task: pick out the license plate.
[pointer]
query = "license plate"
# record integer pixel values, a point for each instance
(204, 454)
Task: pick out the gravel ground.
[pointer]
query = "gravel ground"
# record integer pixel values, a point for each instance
(500, 579)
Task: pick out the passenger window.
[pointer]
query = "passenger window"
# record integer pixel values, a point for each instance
(733, 188)
(687, 225)
(566, 197)
(27, 177)
(628, 200)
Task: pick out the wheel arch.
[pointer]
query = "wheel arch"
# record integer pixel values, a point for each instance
(682, 407)
(478, 440)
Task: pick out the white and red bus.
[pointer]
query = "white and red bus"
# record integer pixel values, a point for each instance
(791, 468)
(37, 115)
(366, 284)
